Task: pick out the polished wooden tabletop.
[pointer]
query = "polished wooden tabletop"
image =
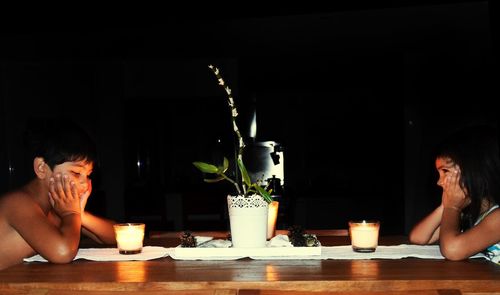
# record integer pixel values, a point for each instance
(378, 276)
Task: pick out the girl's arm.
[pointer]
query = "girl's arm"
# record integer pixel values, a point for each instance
(427, 230)
(457, 245)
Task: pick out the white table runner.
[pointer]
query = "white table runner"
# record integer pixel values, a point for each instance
(335, 252)
(111, 254)
(340, 252)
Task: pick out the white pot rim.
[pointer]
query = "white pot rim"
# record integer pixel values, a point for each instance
(241, 201)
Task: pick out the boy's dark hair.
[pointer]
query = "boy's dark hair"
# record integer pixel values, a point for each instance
(58, 141)
(475, 149)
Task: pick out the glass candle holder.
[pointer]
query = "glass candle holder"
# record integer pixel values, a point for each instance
(272, 215)
(364, 235)
(129, 237)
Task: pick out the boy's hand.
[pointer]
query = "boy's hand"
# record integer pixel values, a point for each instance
(63, 196)
(85, 196)
(453, 195)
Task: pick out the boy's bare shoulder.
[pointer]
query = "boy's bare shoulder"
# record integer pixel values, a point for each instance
(15, 198)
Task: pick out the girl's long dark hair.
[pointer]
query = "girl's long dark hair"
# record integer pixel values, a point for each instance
(475, 150)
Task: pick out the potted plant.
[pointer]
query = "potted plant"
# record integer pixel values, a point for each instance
(249, 208)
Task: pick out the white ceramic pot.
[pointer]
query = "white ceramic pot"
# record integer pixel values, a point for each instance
(248, 220)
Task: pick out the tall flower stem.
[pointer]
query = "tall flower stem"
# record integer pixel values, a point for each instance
(233, 182)
(234, 114)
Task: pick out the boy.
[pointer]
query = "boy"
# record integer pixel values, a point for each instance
(47, 214)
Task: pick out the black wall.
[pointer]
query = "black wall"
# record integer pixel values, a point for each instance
(357, 95)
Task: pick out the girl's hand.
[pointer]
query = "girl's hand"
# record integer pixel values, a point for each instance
(453, 195)
(63, 195)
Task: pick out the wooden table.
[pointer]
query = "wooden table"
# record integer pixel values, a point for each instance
(247, 276)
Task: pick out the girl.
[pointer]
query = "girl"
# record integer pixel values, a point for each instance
(468, 219)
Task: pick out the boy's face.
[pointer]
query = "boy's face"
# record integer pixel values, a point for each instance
(77, 171)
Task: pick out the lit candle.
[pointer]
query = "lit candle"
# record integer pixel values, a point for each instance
(364, 235)
(129, 237)
(272, 215)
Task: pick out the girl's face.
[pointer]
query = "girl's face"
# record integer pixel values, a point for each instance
(445, 166)
(77, 171)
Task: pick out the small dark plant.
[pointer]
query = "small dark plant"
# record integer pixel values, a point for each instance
(188, 240)
(296, 236)
(299, 238)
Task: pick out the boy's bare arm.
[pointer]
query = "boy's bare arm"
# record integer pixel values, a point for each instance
(58, 245)
(97, 228)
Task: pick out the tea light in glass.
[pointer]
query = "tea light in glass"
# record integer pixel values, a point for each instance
(272, 215)
(364, 235)
(129, 237)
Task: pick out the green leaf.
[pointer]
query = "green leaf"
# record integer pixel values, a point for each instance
(212, 180)
(251, 191)
(244, 173)
(225, 165)
(267, 197)
(205, 167)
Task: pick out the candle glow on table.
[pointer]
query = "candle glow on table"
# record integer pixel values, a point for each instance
(364, 235)
(129, 237)
(272, 215)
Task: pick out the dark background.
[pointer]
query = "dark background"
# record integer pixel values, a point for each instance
(358, 95)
